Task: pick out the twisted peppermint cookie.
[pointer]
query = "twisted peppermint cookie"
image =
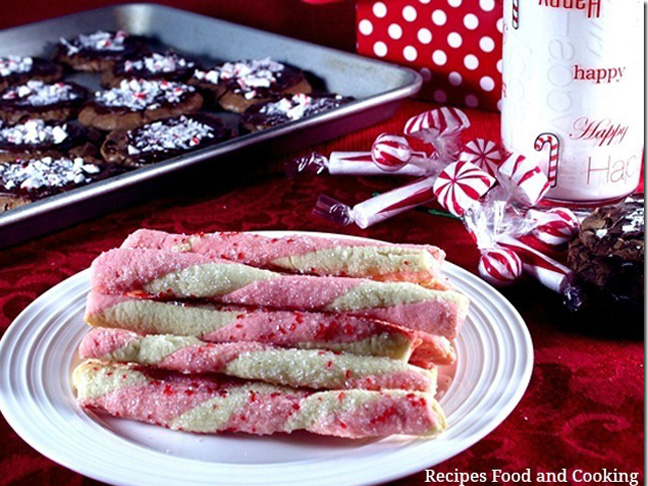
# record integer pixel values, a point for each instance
(208, 404)
(305, 330)
(171, 274)
(308, 368)
(308, 254)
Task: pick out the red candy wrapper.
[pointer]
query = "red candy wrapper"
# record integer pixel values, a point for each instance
(379, 208)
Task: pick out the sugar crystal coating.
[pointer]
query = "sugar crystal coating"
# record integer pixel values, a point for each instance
(158, 63)
(248, 76)
(34, 174)
(33, 132)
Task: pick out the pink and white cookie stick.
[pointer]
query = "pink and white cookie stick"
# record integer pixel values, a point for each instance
(211, 404)
(175, 275)
(310, 368)
(554, 155)
(303, 330)
(378, 208)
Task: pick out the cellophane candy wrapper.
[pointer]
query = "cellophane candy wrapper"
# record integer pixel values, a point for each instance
(378, 208)
(440, 128)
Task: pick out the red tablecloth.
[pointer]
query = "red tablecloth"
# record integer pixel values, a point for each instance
(583, 408)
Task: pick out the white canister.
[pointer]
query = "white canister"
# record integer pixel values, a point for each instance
(573, 93)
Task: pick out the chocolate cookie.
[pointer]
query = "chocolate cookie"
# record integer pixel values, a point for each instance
(238, 85)
(136, 102)
(608, 258)
(36, 99)
(26, 181)
(288, 108)
(16, 70)
(36, 139)
(169, 66)
(163, 139)
(97, 51)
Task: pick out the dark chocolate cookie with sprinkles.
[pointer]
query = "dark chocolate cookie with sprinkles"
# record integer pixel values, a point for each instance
(25, 181)
(15, 70)
(168, 65)
(236, 86)
(136, 102)
(45, 101)
(97, 51)
(36, 139)
(163, 139)
(288, 108)
(608, 258)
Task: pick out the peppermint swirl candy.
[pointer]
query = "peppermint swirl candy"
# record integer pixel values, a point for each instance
(141, 94)
(15, 65)
(38, 93)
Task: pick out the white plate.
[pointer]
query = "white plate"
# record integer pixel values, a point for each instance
(37, 353)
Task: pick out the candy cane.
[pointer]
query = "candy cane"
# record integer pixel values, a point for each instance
(516, 14)
(554, 153)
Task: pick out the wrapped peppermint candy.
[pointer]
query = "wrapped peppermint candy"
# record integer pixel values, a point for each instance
(440, 128)
(392, 152)
(552, 231)
(378, 208)
(485, 154)
(523, 179)
(499, 266)
(461, 185)
(359, 164)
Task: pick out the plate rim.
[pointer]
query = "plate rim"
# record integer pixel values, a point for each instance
(403, 470)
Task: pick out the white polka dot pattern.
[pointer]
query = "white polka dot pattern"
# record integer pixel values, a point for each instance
(455, 44)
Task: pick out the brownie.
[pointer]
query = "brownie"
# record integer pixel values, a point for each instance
(37, 138)
(288, 108)
(16, 70)
(169, 65)
(163, 139)
(97, 51)
(136, 102)
(608, 259)
(24, 181)
(36, 99)
(238, 85)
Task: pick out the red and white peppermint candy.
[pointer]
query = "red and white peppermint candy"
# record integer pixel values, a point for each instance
(461, 185)
(391, 152)
(524, 179)
(485, 154)
(547, 271)
(500, 266)
(442, 121)
(554, 229)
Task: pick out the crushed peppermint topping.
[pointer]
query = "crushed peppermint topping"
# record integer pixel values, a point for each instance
(158, 63)
(37, 93)
(248, 75)
(99, 41)
(15, 65)
(178, 134)
(35, 174)
(299, 105)
(600, 233)
(634, 222)
(140, 94)
(33, 132)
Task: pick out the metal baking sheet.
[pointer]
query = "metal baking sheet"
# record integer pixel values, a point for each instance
(378, 88)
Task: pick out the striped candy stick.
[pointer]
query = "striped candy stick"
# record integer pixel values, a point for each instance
(353, 163)
(553, 230)
(516, 14)
(378, 208)
(500, 266)
(554, 154)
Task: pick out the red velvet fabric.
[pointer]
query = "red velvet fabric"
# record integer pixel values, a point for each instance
(583, 408)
